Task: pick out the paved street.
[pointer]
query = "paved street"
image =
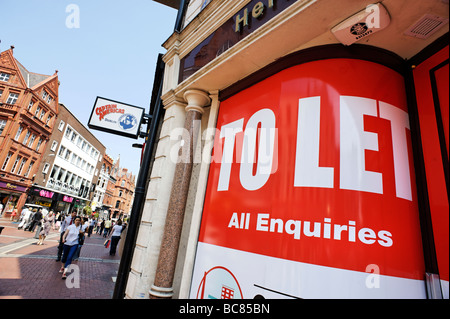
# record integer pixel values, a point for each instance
(29, 271)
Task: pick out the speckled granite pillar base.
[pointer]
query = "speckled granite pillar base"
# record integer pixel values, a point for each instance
(162, 287)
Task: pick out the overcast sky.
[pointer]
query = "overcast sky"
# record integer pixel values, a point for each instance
(105, 48)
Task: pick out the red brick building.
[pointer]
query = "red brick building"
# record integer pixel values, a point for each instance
(120, 191)
(28, 108)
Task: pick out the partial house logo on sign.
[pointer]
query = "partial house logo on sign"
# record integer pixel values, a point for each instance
(219, 283)
(116, 117)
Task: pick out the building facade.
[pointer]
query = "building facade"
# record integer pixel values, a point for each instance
(68, 174)
(122, 191)
(109, 187)
(103, 195)
(28, 110)
(304, 148)
(117, 186)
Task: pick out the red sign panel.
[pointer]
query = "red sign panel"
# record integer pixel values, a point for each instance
(314, 165)
(431, 80)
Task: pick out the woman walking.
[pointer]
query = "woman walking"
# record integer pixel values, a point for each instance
(70, 241)
(48, 221)
(115, 237)
(81, 239)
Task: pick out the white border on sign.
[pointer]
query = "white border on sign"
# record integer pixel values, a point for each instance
(116, 117)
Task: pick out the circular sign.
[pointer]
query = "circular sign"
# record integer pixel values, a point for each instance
(127, 121)
(359, 28)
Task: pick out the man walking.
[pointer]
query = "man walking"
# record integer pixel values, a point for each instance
(36, 220)
(92, 224)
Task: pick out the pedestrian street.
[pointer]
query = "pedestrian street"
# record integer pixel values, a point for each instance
(29, 271)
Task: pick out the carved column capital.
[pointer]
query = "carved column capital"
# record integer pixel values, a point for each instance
(196, 100)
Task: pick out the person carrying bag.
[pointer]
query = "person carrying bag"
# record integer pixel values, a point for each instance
(70, 244)
(81, 238)
(115, 237)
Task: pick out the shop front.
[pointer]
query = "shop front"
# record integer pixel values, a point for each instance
(52, 200)
(315, 161)
(323, 167)
(41, 197)
(64, 202)
(329, 179)
(10, 197)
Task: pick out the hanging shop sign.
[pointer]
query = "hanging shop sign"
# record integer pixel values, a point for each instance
(116, 117)
(311, 191)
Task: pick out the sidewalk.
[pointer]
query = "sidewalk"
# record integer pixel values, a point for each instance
(29, 271)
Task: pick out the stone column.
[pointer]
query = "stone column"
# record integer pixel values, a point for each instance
(162, 287)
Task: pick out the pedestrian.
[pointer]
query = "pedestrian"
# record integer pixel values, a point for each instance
(30, 219)
(23, 216)
(91, 226)
(107, 228)
(64, 224)
(48, 221)
(13, 215)
(44, 212)
(124, 234)
(70, 244)
(102, 226)
(84, 228)
(35, 220)
(115, 237)
(26, 219)
(57, 221)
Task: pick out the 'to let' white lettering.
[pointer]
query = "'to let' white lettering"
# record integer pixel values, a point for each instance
(264, 118)
(354, 140)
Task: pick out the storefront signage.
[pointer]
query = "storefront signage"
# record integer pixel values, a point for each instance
(311, 191)
(257, 10)
(248, 19)
(116, 117)
(13, 187)
(67, 199)
(46, 194)
(45, 204)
